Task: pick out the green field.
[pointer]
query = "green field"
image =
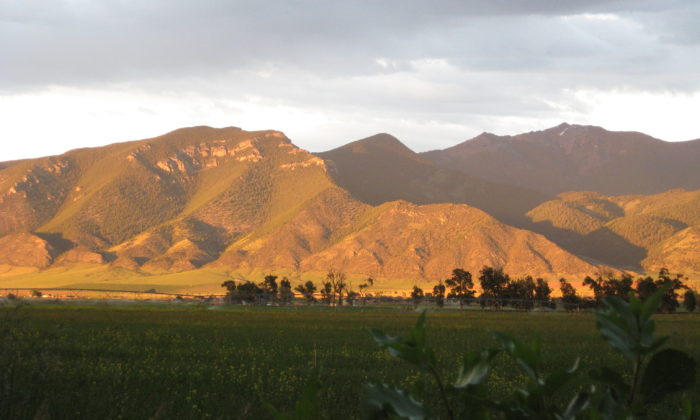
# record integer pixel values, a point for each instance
(165, 361)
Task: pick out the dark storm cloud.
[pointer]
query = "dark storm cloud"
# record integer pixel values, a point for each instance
(77, 43)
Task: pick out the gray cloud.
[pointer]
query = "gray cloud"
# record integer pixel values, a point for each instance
(79, 42)
(452, 63)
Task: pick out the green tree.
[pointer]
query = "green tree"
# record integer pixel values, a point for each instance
(307, 290)
(364, 294)
(269, 288)
(609, 285)
(338, 284)
(351, 296)
(569, 297)
(286, 295)
(461, 286)
(543, 292)
(439, 294)
(672, 285)
(417, 295)
(494, 283)
(327, 293)
(522, 293)
(645, 288)
(249, 292)
(231, 296)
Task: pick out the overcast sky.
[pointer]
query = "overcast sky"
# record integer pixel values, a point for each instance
(77, 73)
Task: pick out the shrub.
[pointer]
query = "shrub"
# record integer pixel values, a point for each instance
(626, 326)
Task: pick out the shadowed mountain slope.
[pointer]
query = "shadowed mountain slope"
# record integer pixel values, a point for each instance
(575, 157)
(380, 168)
(637, 231)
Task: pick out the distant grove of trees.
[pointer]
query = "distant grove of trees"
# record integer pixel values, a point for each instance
(334, 291)
(498, 290)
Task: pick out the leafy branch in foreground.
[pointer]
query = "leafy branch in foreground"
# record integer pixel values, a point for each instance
(605, 393)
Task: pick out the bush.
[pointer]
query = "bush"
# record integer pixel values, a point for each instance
(608, 394)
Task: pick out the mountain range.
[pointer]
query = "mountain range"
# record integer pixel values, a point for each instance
(202, 204)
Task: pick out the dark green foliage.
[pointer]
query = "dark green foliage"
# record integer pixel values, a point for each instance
(521, 293)
(385, 401)
(327, 295)
(286, 295)
(569, 297)
(439, 294)
(337, 281)
(307, 290)
(417, 295)
(626, 326)
(269, 288)
(668, 371)
(645, 288)
(609, 286)
(494, 283)
(669, 301)
(364, 289)
(246, 292)
(543, 292)
(461, 286)
(351, 297)
(672, 285)
(230, 287)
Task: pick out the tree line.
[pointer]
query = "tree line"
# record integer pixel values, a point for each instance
(335, 290)
(498, 290)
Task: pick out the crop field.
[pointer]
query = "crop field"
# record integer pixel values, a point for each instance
(163, 361)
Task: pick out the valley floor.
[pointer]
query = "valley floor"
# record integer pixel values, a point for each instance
(167, 361)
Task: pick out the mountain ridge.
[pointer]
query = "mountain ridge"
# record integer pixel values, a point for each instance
(206, 200)
(577, 158)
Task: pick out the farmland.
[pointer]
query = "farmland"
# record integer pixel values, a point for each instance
(170, 361)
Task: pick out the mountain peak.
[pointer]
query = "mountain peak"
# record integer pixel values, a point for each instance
(378, 144)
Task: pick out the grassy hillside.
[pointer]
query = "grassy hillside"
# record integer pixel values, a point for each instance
(640, 232)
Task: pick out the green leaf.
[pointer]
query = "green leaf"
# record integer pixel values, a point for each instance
(690, 412)
(385, 401)
(559, 378)
(668, 371)
(412, 349)
(475, 368)
(577, 405)
(619, 327)
(526, 357)
(613, 380)
(651, 305)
